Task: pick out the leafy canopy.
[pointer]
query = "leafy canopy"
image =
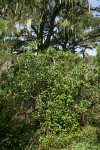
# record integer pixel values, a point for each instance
(60, 24)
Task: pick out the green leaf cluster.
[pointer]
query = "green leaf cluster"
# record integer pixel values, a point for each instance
(46, 97)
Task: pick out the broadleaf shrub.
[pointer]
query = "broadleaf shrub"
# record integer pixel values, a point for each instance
(48, 97)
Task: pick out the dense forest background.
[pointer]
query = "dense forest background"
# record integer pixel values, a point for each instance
(49, 93)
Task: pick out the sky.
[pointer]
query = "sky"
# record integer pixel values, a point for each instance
(94, 2)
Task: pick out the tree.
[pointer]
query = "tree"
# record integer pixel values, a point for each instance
(60, 24)
(4, 52)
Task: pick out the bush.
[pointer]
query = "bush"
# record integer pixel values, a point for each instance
(46, 97)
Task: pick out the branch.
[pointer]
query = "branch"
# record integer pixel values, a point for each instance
(35, 30)
(52, 21)
(96, 9)
(93, 34)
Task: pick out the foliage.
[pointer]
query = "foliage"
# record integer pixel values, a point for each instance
(47, 99)
(88, 140)
(61, 24)
(98, 53)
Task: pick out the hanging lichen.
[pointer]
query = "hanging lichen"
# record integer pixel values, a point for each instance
(89, 7)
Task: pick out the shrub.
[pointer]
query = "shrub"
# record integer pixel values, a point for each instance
(48, 96)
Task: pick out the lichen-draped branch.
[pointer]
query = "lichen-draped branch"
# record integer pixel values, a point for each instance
(51, 22)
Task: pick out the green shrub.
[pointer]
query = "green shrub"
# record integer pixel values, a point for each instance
(46, 99)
